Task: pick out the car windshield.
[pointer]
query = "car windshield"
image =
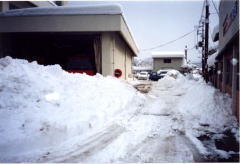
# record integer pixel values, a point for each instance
(143, 73)
(163, 72)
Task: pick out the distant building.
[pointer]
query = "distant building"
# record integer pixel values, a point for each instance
(84, 38)
(167, 60)
(224, 73)
(141, 69)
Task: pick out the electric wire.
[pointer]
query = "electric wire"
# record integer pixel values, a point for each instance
(215, 7)
(169, 42)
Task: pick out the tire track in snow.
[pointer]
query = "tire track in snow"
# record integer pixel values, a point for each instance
(171, 99)
(156, 148)
(92, 145)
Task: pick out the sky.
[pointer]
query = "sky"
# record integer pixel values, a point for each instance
(153, 23)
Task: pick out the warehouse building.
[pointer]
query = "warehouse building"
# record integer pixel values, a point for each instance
(90, 39)
(167, 60)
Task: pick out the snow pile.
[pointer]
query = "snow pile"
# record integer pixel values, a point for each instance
(142, 63)
(43, 106)
(195, 75)
(174, 73)
(202, 109)
(206, 112)
(204, 105)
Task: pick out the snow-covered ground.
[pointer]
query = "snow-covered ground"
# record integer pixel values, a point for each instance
(49, 115)
(42, 107)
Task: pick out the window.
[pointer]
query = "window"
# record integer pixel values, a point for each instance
(167, 60)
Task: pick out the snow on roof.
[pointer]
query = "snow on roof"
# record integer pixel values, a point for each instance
(213, 47)
(142, 68)
(212, 59)
(215, 33)
(166, 54)
(110, 9)
(66, 10)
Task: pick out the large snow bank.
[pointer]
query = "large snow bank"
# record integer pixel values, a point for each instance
(202, 109)
(204, 104)
(43, 106)
(174, 73)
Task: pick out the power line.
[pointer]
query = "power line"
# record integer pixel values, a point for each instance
(215, 7)
(203, 8)
(189, 49)
(167, 43)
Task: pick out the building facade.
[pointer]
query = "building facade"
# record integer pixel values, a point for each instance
(225, 74)
(99, 35)
(167, 60)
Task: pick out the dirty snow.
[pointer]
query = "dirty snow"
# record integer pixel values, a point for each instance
(54, 116)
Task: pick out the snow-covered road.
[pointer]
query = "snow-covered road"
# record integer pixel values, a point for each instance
(152, 135)
(155, 134)
(49, 115)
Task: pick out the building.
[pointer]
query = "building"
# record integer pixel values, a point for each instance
(11, 5)
(225, 74)
(98, 35)
(167, 60)
(137, 69)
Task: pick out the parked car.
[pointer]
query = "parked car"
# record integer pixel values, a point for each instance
(136, 75)
(154, 76)
(162, 72)
(143, 76)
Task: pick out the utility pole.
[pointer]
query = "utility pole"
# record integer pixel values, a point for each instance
(206, 41)
(202, 45)
(186, 53)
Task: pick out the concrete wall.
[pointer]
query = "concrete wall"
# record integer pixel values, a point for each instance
(158, 64)
(57, 23)
(128, 35)
(107, 54)
(122, 56)
(69, 23)
(129, 64)
(116, 55)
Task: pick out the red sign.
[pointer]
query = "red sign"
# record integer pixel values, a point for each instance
(117, 73)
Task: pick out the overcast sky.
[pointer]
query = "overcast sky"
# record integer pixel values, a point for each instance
(156, 22)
